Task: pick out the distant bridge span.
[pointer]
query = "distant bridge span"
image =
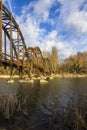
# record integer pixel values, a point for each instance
(13, 50)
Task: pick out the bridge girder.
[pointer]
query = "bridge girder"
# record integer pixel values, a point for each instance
(16, 43)
(11, 37)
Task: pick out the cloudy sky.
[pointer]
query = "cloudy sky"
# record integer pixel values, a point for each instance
(47, 23)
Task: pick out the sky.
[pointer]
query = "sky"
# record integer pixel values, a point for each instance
(48, 23)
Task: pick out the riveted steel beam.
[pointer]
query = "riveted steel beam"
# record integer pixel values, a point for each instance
(0, 29)
(11, 47)
(5, 44)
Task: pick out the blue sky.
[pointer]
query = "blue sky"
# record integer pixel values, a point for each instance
(47, 23)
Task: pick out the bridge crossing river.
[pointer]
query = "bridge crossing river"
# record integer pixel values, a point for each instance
(13, 50)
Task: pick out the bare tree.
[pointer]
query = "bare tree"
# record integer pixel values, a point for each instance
(54, 60)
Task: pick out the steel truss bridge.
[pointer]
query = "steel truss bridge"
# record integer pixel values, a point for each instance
(13, 50)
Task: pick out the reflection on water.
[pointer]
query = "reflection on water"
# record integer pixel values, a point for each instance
(35, 100)
(28, 97)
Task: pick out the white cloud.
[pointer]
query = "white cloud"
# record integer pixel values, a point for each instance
(10, 6)
(30, 29)
(30, 21)
(71, 20)
(4, 1)
(64, 48)
(8, 2)
(52, 35)
(78, 20)
(42, 8)
(72, 17)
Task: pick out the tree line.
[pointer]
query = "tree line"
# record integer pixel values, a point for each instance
(73, 64)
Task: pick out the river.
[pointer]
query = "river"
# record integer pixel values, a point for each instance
(36, 102)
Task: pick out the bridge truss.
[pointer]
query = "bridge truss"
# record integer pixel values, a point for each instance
(13, 50)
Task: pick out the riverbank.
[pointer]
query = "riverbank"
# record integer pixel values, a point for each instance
(8, 76)
(67, 75)
(63, 75)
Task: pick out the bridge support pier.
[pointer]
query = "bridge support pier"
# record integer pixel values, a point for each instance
(11, 71)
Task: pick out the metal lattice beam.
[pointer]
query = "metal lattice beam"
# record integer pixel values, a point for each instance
(0, 29)
(17, 44)
(18, 51)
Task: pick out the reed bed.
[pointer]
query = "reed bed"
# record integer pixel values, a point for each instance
(16, 109)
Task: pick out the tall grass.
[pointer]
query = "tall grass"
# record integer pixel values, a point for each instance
(71, 118)
(23, 102)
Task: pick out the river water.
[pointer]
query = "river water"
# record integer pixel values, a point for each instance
(38, 101)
